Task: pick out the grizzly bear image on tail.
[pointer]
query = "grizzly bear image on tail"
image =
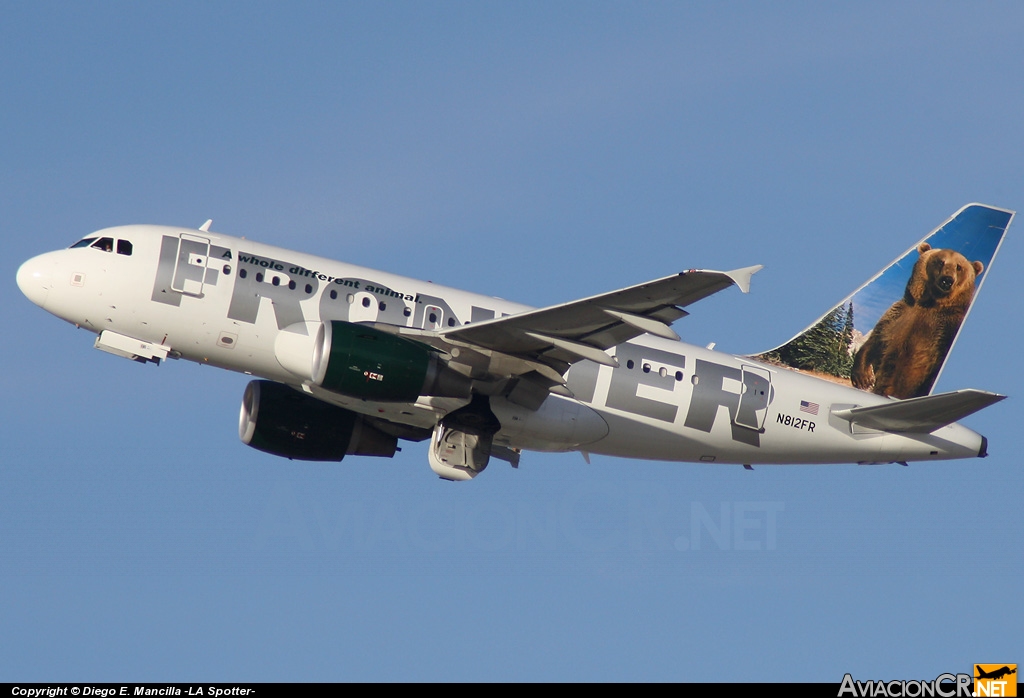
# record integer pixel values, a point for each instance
(905, 350)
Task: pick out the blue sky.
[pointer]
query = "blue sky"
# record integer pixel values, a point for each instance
(539, 152)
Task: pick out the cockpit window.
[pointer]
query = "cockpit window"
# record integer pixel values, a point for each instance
(124, 247)
(85, 242)
(105, 244)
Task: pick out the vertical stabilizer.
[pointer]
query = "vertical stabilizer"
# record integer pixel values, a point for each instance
(893, 334)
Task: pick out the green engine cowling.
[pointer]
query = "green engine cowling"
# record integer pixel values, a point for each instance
(284, 422)
(366, 363)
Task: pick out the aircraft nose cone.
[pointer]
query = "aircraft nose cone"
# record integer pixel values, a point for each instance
(35, 279)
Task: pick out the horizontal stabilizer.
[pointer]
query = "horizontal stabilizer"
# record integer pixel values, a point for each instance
(920, 415)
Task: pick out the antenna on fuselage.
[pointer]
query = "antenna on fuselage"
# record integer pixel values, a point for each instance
(205, 227)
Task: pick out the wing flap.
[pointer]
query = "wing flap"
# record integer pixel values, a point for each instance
(920, 415)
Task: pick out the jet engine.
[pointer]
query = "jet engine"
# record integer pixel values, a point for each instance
(284, 422)
(366, 363)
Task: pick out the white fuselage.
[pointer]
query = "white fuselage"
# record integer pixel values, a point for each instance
(227, 302)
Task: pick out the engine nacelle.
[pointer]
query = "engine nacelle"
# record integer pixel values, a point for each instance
(366, 363)
(284, 422)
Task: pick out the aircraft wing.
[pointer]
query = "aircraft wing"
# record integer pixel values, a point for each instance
(560, 335)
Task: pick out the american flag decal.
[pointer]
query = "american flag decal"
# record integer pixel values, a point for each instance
(808, 407)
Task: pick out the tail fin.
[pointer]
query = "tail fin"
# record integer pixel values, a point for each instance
(892, 335)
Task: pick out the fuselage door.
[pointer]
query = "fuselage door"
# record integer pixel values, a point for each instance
(190, 266)
(432, 316)
(755, 392)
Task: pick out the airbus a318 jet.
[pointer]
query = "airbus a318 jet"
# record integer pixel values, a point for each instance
(349, 361)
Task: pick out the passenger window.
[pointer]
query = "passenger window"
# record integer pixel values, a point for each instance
(82, 243)
(105, 244)
(124, 247)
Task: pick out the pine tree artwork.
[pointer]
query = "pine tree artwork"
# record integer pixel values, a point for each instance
(823, 348)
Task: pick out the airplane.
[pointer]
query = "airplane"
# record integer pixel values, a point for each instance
(349, 361)
(994, 674)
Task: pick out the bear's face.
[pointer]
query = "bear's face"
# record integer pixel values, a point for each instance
(942, 274)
